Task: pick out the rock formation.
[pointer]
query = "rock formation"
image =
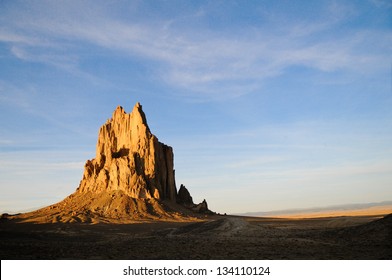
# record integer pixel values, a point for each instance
(131, 159)
(184, 197)
(131, 178)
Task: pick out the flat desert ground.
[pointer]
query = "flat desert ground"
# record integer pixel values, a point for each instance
(214, 237)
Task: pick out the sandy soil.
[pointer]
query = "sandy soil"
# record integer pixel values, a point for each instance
(218, 237)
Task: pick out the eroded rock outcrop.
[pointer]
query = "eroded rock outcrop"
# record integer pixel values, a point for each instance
(131, 159)
(131, 178)
(184, 197)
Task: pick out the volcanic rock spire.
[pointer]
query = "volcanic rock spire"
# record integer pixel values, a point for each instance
(131, 159)
(131, 178)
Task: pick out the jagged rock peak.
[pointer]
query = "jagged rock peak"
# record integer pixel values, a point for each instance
(130, 158)
(184, 197)
(137, 115)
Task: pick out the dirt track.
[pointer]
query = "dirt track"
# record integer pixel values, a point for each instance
(221, 237)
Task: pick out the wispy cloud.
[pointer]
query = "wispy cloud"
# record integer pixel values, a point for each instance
(208, 62)
(382, 3)
(34, 167)
(13, 95)
(62, 58)
(309, 156)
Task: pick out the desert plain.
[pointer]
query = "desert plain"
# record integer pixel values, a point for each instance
(204, 237)
(127, 206)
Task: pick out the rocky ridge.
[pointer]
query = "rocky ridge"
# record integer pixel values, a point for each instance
(131, 178)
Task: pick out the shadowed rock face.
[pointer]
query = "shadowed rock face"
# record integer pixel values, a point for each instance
(184, 197)
(131, 159)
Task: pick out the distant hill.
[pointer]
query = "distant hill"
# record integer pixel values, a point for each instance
(13, 212)
(357, 209)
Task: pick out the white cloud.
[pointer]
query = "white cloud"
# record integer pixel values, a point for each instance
(14, 96)
(208, 62)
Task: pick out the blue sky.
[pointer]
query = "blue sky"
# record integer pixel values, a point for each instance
(268, 104)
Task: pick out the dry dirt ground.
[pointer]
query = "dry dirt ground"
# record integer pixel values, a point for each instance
(217, 237)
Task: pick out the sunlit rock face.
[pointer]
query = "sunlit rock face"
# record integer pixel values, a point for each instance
(131, 159)
(130, 179)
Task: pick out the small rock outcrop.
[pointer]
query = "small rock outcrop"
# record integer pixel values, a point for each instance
(184, 197)
(202, 207)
